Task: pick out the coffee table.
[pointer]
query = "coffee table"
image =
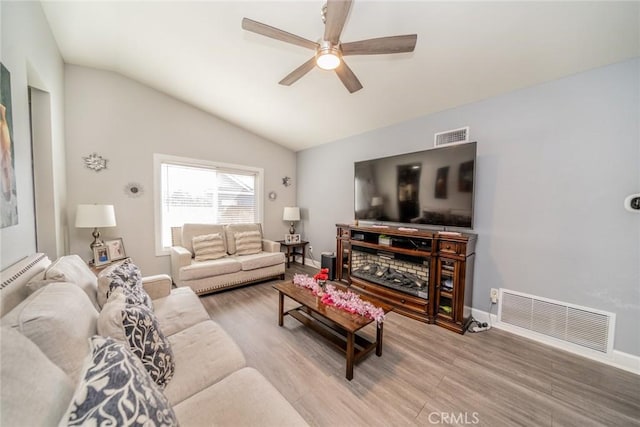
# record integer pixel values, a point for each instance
(338, 326)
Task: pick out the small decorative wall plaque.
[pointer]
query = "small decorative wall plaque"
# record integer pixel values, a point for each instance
(286, 181)
(133, 189)
(95, 162)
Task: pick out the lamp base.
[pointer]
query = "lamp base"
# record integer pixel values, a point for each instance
(96, 239)
(292, 229)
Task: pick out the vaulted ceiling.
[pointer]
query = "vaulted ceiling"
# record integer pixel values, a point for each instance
(466, 51)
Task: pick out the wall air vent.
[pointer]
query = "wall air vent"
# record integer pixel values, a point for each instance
(578, 326)
(451, 137)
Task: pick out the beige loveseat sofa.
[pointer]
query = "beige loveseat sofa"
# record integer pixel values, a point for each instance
(233, 267)
(45, 345)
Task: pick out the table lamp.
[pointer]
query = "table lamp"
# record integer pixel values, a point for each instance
(94, 216)
(291, 214)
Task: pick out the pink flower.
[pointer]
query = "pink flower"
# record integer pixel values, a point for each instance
(348, 301)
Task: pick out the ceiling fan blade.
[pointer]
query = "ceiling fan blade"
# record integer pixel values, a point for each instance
(337, 11)
(382, 45)
(275, 33)
(296, 74)
(348, 78)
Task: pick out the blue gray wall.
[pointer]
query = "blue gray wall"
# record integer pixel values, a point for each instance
(555, 162)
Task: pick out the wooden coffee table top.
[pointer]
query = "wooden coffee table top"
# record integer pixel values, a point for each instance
(349, 321)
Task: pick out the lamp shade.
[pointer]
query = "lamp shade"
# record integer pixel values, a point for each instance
(291, 214)
(93, 216)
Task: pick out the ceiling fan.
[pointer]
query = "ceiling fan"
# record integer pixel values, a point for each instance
(330, 50)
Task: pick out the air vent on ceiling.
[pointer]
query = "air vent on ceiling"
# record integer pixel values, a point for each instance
(451, 136)
(581, 326)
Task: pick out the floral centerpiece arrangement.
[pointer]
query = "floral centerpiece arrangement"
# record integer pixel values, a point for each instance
(345, 300)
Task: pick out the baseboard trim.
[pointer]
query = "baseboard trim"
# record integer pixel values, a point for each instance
(618, 359)
(312, 263)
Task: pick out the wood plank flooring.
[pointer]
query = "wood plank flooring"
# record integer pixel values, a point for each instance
(426, 375)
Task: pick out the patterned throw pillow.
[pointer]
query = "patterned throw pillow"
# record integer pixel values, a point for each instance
(138, 327)
(209, 246)
(116, 390)
(248, 242)
(128, 277)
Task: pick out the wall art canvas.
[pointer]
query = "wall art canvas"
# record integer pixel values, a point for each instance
(8, 196)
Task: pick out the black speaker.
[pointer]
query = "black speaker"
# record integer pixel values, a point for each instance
(328, 260)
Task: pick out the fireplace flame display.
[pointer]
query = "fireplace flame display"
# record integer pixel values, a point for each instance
(396, 274)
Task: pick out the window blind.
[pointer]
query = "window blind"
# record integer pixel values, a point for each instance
(196, 194)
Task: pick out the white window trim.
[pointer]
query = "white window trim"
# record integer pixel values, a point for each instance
(159, 159)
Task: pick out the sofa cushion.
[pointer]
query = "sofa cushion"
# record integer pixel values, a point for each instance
(248, 242)
(244, 398)
(181, 309)
(34, 391)
(73, 269)
(230, 231)
(260, 260)
(59, 319)
(126, 276)
(117, 390)
(189, 231)
(199, 270)
(209, 246)
(137, 326)
(204, 354)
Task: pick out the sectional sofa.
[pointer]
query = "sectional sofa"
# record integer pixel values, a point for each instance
(50, 317)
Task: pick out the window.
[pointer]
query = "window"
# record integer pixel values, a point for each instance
(198, 191)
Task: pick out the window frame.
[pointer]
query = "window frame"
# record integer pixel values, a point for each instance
(160, 159)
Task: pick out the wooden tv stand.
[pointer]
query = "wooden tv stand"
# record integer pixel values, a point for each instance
(424, 274)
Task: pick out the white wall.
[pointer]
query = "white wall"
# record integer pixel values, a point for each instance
(30, 53)
(555, 162)
(126, 122)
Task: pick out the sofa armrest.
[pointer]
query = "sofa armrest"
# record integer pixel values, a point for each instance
(270, 246)
(158, 286)
(180, 257)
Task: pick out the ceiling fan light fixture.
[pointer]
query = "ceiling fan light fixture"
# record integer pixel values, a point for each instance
(328, 57)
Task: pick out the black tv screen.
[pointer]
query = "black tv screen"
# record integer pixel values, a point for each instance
(430, 187)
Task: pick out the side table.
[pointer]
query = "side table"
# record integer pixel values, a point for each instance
(97, 270)
(291, 249)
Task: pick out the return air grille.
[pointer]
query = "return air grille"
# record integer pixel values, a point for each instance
(573, 324)
(451, 136)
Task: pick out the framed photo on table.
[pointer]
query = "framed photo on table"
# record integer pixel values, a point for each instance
(115, 249)
(291, 238)
(101, 256)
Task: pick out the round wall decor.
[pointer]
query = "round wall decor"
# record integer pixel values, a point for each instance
(273, 196)
(133, 189)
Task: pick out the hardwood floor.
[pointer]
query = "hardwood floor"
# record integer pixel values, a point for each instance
(426, 375)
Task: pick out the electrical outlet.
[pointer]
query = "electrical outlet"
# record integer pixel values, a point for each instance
(494, 295)
(310, 249)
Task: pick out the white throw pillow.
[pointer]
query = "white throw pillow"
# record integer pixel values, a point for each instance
(34, 391)
(208, 247)
(248, 242)
(59, 319)
(73, 269)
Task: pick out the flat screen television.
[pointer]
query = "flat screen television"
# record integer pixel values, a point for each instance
(429, 188)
